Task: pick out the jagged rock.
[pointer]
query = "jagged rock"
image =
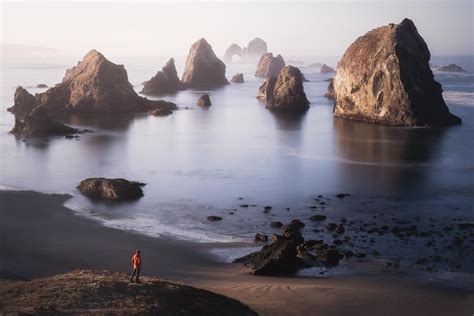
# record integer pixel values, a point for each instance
(24, 102)
(111, 189)
(204, 101)
(37, 124)
(86, 292)
(276, 224)
(164, 82)
(451, 68)
(325, 69)
(269, 66)
(255, 49)
(203, 70)
(94, 86)
(261, 238)
(286, 92)
(233, 50)
(384, 77)
(238, 78)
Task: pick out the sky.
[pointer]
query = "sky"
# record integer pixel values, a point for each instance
(168, 28)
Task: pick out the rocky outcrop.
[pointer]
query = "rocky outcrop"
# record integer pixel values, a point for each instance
(39, 124)
(24, 102)
(233, 50)
(384, 77)
(330, 92)
(86, 292)
(238, 78)
(269, 66)
(255, 49)
(285, 93)
(204, 101)
(111, 189)
(94, 86)
(164, 82)
(203, 70)
(451, 68)
(325, 69)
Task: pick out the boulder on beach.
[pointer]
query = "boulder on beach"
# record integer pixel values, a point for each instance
(203, 70)
(325, 69)
(111, 189)
(233, 50)
(164, 82)
(451, 68)
(204, 101)
(94, 86)
(255, 49)
(286, 92)
(269, 66)
(39, 124)
(384, 77)
(238, 78)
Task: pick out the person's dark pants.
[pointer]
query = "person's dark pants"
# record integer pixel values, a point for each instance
(137, 272)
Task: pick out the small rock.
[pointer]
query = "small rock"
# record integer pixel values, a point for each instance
(204, 101)
(214, 218)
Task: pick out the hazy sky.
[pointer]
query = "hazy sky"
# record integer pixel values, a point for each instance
(169, 28)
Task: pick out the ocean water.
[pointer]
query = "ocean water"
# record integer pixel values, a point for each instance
(199, 162)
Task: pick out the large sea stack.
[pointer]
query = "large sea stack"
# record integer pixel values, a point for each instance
(203, 70)
(233, 50)
(285, 93)
(384, 77)
(255, 49)
(269, 66)
(164, 82)
(94, 86)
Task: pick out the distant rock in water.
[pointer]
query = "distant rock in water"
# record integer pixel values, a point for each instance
(204, 101)
(269, 66)
(38, 124)
(164, 82)
(315, 65)
(286, 92)
(255, 49)
(203, 70)
(94, 86)
(89, 292)
(233, 50)
(451, 68)
(325, 69)
(384, 77)
(330, 92)
(238, 78)
(111, 189)
(41, 85)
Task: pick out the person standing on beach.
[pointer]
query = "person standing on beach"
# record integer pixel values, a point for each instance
(137, 262)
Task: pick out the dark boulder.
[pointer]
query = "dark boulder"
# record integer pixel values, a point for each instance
(318, 217)
(238, 78)
(214, 218)
(204, 101)
(111, 189)
(261, 238)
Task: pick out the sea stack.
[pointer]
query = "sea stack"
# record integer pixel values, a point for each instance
(325, 69)
(164, 82)
(203, 70)
(269, 66)
(255, 49)
(384, 77)
(238, 78)
(285, 93)
(233, 50)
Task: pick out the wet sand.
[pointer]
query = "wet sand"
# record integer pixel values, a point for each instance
(41, 237)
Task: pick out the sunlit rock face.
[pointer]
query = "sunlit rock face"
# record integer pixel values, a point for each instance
(164, 82)
(255, 49)
(203, 70)
(285, 93)
(384, 77)
(269, 66)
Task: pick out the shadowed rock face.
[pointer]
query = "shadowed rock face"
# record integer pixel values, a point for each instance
(94, 86)
(111, 189)
(238, 78)
(269, 66)
(24, 102)
(233, 50)
(37, 124)
(203, 70)
(325, 69)
(384, 77)
(286, 92)
(255, 49)
(330, 92)
(164, 82)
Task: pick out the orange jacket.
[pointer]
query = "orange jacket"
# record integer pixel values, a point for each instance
(137, 261)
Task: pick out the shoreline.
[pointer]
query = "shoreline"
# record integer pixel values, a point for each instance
(39, 236)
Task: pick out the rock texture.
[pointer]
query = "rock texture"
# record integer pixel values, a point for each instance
(24, 102)
(204, 101)
(85, 292)
(269, 66)
(384, 77)
(111, 189)
(233, 50)
(451, 68)
(94, 86)
(255, 49)
(238, 78)
(164, 82)
(203, 70)
(39, 124)
(325, 69)
(330, 92)
(286, 92)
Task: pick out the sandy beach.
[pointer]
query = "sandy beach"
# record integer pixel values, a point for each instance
(41, 237)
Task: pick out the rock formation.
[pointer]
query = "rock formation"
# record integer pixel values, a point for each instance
(204, 101)
(203, 70)
(111, 189)
(286, 92)
(38, 124)
(269, 66)
(451, 68)
(94, 86)
(325, 69)
(255, 49)
(384, 77)
(330, 92)
(164, 82)
(233, 50)
(86, 292)
(41, 85)
(238, 78)
(24, 102)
